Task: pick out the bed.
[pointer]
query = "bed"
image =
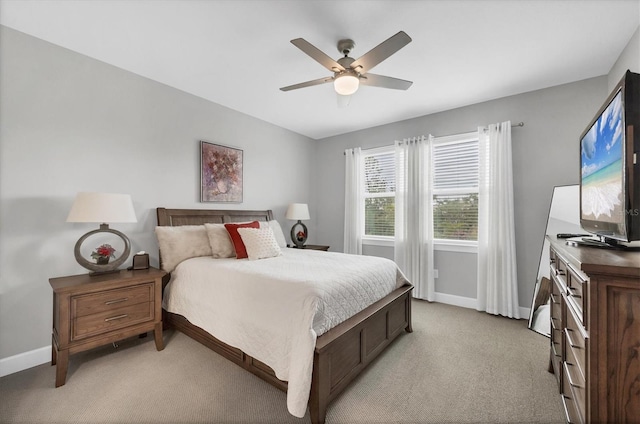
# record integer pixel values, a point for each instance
(339, 354)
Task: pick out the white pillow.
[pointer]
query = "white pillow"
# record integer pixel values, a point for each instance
(259, 242)
(277, 231)
(180, 243)
(220, 242)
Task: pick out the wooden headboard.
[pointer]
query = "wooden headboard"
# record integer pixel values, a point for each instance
(175, 217)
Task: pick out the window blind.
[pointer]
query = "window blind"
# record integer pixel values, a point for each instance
(456, 166)
(379, 194)
(380, 173)
(455, 190)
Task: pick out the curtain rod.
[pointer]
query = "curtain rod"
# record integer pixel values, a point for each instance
(519, 124)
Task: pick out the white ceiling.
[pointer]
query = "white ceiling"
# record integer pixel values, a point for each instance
(238, 54)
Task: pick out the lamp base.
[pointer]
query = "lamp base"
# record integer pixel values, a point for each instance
(299, 237)
(111, 266)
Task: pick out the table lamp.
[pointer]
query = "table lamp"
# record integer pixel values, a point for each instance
(102, 208)
(298, 211)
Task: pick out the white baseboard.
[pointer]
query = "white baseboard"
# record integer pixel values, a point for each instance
(25, 360)
(471, 303)
(524, 313)
(451, 299)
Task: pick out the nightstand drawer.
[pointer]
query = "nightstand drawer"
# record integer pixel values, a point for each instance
(102, 322)
(109, 300)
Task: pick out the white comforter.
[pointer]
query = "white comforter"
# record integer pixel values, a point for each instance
(273, 309)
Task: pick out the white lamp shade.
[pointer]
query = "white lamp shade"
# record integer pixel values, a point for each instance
(346, 84)
(298, 211)
(102, 208)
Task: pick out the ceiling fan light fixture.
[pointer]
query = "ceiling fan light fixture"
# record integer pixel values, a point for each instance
(346, 84)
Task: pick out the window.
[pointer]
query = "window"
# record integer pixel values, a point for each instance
(455, 165)
(455, 187)
(379, 193)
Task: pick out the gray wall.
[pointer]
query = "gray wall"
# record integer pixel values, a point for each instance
(71, 123)
(545, 154)
(628, 59)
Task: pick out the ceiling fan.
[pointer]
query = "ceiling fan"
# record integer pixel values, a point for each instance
(348, 73)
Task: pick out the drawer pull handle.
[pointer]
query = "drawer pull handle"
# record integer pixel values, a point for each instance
(113, 302)
(116, 317)
(560, 272)
(572, 291)
(569, 340)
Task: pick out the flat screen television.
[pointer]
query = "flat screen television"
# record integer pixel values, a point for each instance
(609, 169)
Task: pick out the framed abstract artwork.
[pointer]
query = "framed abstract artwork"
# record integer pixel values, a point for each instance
(220, 173)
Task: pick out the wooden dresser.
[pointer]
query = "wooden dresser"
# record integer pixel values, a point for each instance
(90, 311)
(595, 332)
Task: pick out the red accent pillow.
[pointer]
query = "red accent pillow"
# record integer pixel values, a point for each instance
(232, 229)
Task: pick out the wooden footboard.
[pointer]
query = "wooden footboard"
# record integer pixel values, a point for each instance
(340, 354)
(344, 351)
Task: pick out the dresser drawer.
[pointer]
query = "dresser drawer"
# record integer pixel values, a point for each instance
(576, 290)
(574, 392)
(556, 322)
(555, 301)
(570, 411)
(576, 342)
(556, 350)
(115, 318)
(553, 260)
(111, 299)
(561, 271)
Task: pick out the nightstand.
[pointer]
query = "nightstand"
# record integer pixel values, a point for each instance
(94, 310)
(311, 247)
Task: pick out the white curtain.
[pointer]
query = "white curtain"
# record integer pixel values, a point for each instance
(497, 271)
(353, 187)
(413, 214)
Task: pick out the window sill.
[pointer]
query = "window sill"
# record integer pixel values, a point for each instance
(378, 241)
(455, 246)
(439, 245)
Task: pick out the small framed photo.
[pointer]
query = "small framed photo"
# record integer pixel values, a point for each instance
(220, 173)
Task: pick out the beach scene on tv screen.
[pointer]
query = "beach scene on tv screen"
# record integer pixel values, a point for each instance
(601, 161)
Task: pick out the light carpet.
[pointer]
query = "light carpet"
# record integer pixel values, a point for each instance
(458, 366)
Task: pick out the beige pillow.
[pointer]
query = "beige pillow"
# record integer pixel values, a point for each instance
(219, 240)
(180, 243)
(260, 243)
(277, 231)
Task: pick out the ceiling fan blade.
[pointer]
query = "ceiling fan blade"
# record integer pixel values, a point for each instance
(385, 82)
(379, 53)
(317, 55)
(307, 84)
